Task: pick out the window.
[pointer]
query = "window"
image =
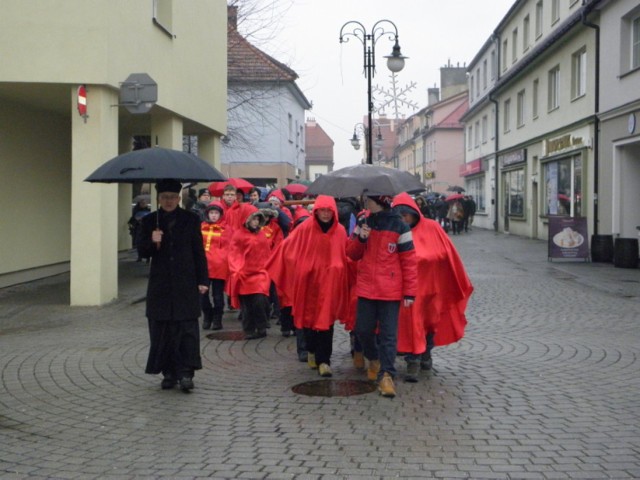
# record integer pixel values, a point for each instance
(514, 192)
(163, 15)
(525, 33)
(520, 110)
(505, 46)
(475, 188)
(484, 74)
(477, 137)
(290, 128)
(469, 137)
(493, 65)
(507, 115)
(471, 91)
(493, 124)
(554, 88)
(563, 187)
(579, 73)
(534, 100)
(555, 11)
(635, 42)
(514, 46)
(485, 128)
(478, 82)
(539, 19)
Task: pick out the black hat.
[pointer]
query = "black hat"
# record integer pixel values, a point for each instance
(203, 191)
(382, 200)
(406, 209)
(168, 185)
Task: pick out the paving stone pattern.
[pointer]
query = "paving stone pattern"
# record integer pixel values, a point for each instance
(545, 385)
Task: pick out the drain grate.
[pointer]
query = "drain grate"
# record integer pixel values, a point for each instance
(233, 336)
(334, 388)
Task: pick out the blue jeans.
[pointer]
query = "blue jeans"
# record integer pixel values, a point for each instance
(382, 314)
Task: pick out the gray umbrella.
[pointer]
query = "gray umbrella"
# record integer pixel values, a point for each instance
(155, 163)
(455, 188)
(365, 179)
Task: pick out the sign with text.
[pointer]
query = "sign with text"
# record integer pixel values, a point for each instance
(568, 237)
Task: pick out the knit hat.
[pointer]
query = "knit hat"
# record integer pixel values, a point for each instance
(203, 191)
(168, 185)
(215, 205)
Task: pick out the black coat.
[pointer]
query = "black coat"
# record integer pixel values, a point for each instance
(177, 268)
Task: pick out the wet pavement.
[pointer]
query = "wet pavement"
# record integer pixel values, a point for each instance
(544, 385)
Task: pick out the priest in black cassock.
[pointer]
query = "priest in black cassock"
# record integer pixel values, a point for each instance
(178, 276)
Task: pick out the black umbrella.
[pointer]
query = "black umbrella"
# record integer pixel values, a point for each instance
(365, 180)
(155, 163)
(455, 188)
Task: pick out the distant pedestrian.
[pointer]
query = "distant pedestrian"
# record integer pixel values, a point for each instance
(178, 276)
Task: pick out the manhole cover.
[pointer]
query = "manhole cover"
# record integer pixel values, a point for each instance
(235, 336)
(334, 388)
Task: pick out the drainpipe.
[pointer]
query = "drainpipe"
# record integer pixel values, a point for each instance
(496, 222)
(596, 121)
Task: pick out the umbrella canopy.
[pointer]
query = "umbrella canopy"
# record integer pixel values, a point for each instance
(455, 196)
(365, 180)
(152, 164)
(302, 181)
(217, 188)
(455, 188)
(296, 188)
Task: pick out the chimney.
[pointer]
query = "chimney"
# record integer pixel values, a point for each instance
(433, 95)
(232, 16)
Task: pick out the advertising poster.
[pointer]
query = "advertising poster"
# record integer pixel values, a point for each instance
(568, 237)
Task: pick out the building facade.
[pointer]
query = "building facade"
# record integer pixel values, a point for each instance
(318, 150)
(57, 222)
(265, 140)
(618, 188)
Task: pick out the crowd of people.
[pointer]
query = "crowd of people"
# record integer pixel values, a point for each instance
(384, 267)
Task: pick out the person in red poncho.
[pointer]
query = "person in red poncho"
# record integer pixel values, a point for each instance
(216, 237)
(310, 270)
(248, 278)
(437, 316)
(235, 213)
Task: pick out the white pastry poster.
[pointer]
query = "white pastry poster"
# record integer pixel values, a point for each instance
(568, 237)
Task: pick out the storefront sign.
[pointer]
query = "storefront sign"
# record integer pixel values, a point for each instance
(471, 168)
(559, 144)
(511, 158)
(568, 237)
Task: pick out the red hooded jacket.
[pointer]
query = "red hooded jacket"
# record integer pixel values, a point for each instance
(216, 238)
(310, 270)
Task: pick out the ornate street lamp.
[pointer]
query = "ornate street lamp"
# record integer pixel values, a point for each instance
(395, 62)
(361, 128)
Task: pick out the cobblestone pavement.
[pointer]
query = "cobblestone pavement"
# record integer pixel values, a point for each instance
(543, 386)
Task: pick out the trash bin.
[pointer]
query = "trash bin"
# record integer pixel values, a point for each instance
(625, 253)
(601, 248)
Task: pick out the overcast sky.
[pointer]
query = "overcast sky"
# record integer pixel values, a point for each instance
(431, 33)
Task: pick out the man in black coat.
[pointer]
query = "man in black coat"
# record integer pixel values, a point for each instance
(178, 276)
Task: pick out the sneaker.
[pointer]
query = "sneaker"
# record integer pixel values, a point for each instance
(358, 360)
(325, 370)
(412, 372)
(374, 369)
(311, 360)
(386, 387)
(186, 384)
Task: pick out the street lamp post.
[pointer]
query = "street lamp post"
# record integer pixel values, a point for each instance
(361, 129)
(395, 61)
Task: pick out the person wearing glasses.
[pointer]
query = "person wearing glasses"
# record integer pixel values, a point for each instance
(178, 276)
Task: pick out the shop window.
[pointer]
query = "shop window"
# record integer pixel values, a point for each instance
(475, 188)
(514, 192)
(563, 187)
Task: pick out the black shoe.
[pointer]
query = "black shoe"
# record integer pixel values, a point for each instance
(255, 335)
(426, 364)
(168, 383)
(303, 357)
(216, 324)
(287, 333)
(186, 384)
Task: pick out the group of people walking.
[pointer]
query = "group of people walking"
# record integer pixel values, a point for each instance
(390, 275)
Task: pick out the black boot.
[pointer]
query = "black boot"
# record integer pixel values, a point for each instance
(216, 323)
(207, 320)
